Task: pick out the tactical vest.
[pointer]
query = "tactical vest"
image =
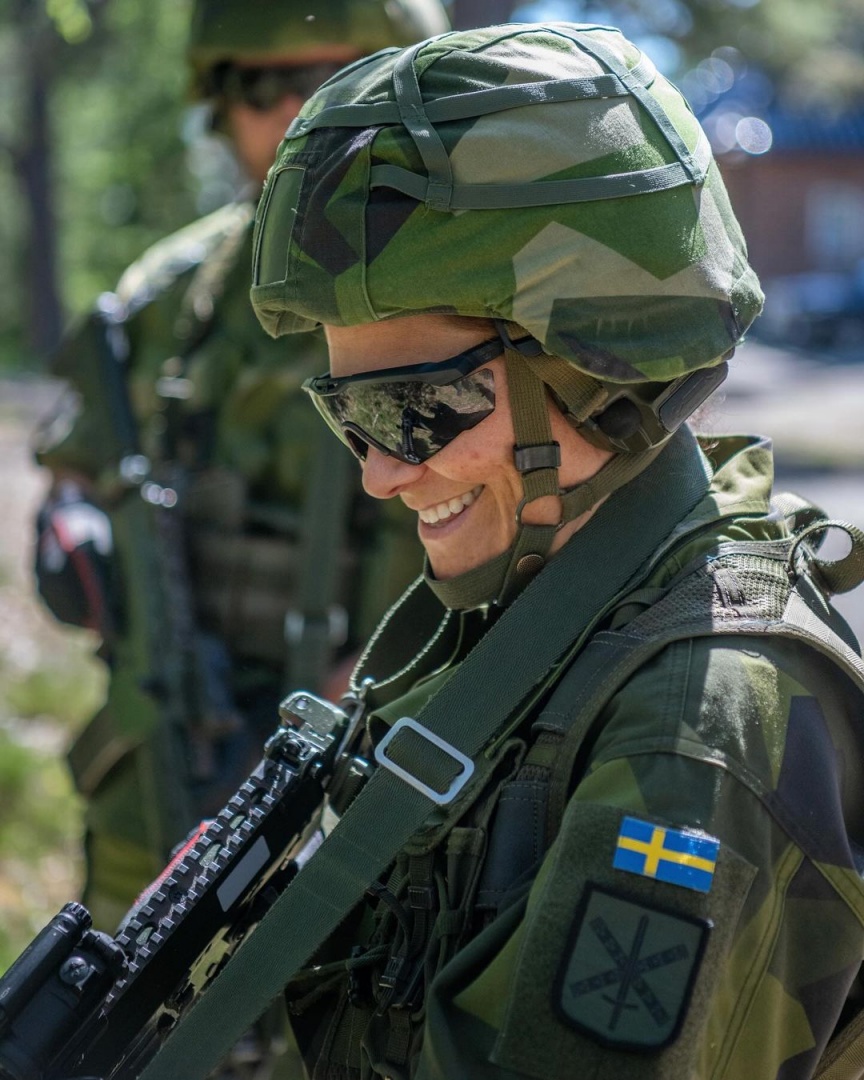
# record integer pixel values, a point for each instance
(241, 568)
(440, 894)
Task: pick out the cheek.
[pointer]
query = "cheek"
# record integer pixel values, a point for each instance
(491, 442)
(475, 458)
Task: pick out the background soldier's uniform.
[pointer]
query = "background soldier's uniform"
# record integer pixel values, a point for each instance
(754, 742)
(211, 391)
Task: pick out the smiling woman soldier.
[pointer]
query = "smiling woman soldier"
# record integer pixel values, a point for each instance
(638, 856)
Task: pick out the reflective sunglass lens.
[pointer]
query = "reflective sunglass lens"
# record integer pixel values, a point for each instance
(411, 412)
(359, 446)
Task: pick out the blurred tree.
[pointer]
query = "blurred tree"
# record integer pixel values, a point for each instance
(92, 155)
(30, 157)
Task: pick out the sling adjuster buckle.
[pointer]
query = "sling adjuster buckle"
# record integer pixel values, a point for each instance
(441, 798)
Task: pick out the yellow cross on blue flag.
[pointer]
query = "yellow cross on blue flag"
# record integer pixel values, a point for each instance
(678, 856)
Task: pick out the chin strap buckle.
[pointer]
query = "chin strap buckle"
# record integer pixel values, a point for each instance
(544, 456)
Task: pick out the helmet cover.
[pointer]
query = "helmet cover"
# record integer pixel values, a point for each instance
(546, 175)
(225, 30)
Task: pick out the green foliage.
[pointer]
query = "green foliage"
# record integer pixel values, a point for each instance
(114, 76)
(122, 180)
(813, 49)
(71, 19)
(66, 694)
(41, 821)
(39, 824)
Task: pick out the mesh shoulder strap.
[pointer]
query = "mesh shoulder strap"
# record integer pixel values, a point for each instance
(741, 588)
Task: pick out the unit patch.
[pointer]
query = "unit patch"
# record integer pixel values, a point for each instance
(627, 977)
(677, 856)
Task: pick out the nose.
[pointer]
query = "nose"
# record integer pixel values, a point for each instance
(385, 476)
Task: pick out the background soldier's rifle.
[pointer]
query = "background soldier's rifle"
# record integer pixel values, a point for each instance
(170, 694)
(78, 1003)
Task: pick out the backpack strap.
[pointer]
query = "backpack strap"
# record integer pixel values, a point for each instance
(844, 1056)
(776, 589)
(740, 588)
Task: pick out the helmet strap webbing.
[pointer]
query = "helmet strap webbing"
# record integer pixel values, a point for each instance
(537, 456)
(582, 394)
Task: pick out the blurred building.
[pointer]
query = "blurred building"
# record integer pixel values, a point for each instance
(801, 201)
(796, 179)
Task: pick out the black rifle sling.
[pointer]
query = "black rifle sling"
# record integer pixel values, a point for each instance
(510, 661)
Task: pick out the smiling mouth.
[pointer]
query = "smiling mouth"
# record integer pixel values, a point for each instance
(441, 512)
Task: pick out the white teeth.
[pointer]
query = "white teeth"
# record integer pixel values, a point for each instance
(442, 511)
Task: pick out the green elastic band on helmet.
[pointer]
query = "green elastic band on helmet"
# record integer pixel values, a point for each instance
(476, 103)
(439, 193)
(545, 192)
(437, 189)
(439, 186)
(695, 169)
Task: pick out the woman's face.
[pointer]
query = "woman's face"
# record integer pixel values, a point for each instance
(466, 495)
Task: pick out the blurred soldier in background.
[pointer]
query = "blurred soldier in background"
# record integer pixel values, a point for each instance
(198, 519)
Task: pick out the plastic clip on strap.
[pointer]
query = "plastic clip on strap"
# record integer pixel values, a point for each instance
(490, 686)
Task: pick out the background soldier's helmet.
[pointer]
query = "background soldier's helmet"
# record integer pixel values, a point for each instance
(223, 30)
(547, 176)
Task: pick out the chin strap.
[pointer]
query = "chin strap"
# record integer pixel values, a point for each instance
(537, 457)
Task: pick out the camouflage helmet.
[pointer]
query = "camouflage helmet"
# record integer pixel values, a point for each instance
(223, 30)
(545, 175)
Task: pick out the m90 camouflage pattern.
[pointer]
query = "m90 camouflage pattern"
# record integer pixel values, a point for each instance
(616, 190)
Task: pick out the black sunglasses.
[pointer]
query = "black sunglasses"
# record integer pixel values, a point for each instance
(412, 411)
(262, 88)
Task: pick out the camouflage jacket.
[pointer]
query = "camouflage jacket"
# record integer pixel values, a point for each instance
(699, 910)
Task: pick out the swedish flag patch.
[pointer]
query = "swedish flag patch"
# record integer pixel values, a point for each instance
(677, 856)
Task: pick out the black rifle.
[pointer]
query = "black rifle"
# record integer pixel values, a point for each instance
(78, 1003)
(176, 679)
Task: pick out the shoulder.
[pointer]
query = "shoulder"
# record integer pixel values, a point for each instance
(172, 257)
(771, 715)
